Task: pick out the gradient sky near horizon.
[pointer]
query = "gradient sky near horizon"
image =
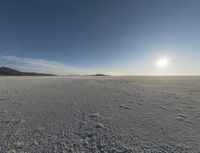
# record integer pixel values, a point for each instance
(101, 36)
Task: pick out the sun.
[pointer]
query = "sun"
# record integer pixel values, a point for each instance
(162, 62)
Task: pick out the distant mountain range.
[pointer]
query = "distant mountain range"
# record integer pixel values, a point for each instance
(11, 72)
(100, 75)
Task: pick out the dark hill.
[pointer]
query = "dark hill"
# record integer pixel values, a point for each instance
(8, 71)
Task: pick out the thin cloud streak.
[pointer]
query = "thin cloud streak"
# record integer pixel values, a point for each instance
(41, 65)
(47, 66)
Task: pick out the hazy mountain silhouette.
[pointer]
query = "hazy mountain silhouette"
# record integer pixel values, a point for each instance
(13, 72)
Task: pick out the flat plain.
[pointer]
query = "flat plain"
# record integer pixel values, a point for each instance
(100, 114)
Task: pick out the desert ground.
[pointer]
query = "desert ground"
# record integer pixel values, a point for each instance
(88, 114)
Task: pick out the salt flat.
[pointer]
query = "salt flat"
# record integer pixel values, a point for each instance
(100, 114)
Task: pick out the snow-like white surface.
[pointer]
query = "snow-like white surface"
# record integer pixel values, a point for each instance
(100, 114)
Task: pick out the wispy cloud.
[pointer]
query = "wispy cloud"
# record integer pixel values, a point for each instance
(47, 66)
(41, 65)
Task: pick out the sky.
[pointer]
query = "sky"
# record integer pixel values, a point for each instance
(117, 37)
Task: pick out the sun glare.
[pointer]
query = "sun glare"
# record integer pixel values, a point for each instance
(162, 62)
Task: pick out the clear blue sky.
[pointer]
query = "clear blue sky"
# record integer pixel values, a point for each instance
(100, 36)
